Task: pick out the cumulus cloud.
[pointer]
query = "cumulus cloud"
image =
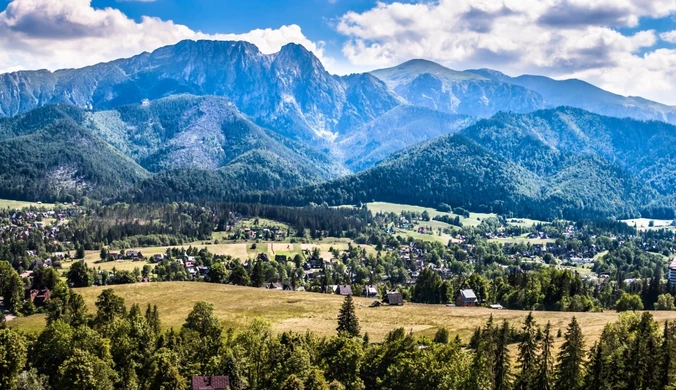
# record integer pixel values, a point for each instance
(560, 38)
(669, 36)
(48, 34)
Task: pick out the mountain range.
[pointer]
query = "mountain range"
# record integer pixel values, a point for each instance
(214, 119)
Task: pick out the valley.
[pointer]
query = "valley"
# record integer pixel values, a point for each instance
(287, 311)
(176, 213)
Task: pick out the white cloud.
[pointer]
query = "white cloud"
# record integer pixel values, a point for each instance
(669, 36)
(560, 38)
(48, 34)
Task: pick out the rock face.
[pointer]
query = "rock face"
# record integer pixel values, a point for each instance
(289, 91)
(427, 84)
(357, 120)
(580, 94)
(224, 116)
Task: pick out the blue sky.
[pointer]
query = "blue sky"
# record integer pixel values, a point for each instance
(317, 18)
(625, 46)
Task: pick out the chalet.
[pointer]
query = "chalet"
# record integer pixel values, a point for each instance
(158, 257)
(273, 286)
(40, 297)
(280, 258)
(344, 289)
(210, 383)
(131, 254)
(115, 255)
(263, 257)
(203, 270)
(394, 298)
(466, 298)
(370, 291)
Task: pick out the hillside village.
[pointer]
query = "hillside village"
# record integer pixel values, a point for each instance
(385, 265)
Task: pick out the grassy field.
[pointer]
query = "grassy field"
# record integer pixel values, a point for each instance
(644, 223)
(17, 204)
(524, 239)
(239, 250)
(473, 220)
(383, 207)
(301, 311)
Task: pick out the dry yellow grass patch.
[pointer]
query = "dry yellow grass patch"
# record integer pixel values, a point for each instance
(301, 311)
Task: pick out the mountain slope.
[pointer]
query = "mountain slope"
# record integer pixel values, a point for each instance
(396, 130)
(427, 84)
(199, 132)
(539, 140)
(451, 169)
(59, 151)
(580, 94)
(289, 91)
(57, 159)
(549, 164)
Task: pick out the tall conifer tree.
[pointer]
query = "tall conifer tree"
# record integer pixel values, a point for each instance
(570, 369)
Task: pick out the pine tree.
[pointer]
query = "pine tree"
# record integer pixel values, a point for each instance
(80, 252)
(103, 254)
(441, 336)
(595, 377)
(641, 366)
(528, 350)
(483, 363)
(502, 361)
(667, 366)
(347, 318)
(153, 318)
(544, 376)
(257, 276)
(569, 371)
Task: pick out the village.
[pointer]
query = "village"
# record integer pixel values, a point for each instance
(386, 270)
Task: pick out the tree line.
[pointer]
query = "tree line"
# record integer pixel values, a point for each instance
(121, 347)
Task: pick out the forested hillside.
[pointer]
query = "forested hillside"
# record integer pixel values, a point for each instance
(46, 155)
(61, 152)
(553, 163)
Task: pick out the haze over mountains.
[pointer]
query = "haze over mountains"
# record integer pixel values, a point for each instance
(214, 119)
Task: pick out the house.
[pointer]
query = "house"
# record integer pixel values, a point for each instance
(158, 257)
(394, 298)
(370, 291)
(496, 306)
(273, 286)
(287, 287)
(466, 298)
(210, 383)
(115, 255)
(344, 289)
(280, 258)
(134, 254)
(40, 297)
(263, 257)
(671, 274)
